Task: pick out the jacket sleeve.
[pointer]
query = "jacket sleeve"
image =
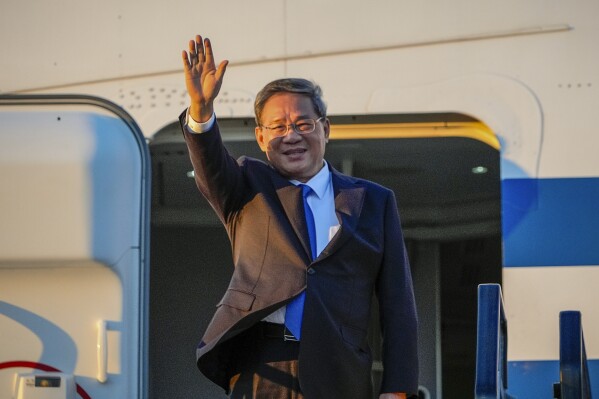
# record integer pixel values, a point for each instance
(399, 325)
(218, 175)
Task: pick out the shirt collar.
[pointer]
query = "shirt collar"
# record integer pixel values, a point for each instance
(319, 182)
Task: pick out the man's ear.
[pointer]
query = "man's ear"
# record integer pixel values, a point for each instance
(261, 139)
(327, 129)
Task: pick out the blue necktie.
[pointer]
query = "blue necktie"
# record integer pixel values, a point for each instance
(295, 308)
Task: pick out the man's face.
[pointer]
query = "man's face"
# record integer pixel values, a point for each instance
(296, 156)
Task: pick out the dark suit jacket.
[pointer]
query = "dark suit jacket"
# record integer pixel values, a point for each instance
(264, 219)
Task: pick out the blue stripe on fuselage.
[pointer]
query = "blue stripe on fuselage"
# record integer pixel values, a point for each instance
(550, 222)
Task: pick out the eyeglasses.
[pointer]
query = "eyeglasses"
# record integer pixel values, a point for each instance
(303, 126)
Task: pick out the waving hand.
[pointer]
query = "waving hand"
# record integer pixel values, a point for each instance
(202, 78)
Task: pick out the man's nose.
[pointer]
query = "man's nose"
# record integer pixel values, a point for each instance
(292, 135)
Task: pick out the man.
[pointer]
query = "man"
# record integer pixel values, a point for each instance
(310, 247)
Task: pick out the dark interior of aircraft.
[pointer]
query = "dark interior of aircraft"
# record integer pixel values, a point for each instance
(448, 193)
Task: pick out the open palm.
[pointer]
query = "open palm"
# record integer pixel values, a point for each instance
(202, 78)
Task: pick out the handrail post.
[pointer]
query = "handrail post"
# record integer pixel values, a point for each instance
(491, 344)
(574, 375)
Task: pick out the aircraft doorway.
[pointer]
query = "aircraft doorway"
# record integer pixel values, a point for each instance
(444, 170)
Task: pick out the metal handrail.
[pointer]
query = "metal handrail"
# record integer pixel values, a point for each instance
(491, 345)
(574, 373)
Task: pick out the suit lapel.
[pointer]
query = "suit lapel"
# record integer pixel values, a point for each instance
(290, 197)
(349, 198)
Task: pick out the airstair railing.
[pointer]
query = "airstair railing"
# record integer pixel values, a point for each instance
(491, 345)
(574, 374)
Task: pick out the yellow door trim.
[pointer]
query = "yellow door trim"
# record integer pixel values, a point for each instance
(473, 130)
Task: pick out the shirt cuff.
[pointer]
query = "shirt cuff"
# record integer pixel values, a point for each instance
(193, 126)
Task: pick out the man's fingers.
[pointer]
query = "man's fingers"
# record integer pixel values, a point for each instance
(209, 52)
(199, 43)
(192, 48)
(220, 72)
(185, 58)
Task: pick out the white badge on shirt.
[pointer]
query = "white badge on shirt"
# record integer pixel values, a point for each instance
(333, 230)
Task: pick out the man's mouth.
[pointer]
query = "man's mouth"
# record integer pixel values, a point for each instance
(295, 151)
